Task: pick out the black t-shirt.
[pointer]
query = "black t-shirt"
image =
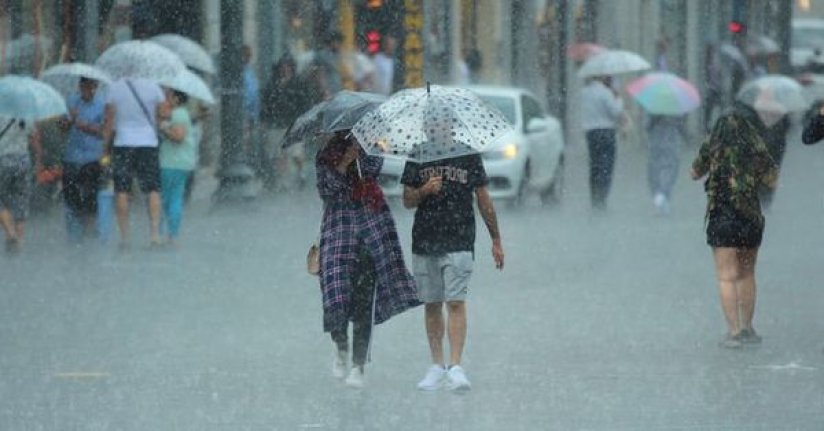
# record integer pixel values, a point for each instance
(445, 222)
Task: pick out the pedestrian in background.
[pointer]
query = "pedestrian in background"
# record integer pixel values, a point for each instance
(385, 66)
(134, 107)
(251, 111)
(736, 162)
(363, 277)
(813, 124)
(443, 245)
(81, 159)
(665, 137)
(17, 138)
(285, 97)
(602, 112)
(178, 159)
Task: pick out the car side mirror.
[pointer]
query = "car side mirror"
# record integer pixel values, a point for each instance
(537, 125)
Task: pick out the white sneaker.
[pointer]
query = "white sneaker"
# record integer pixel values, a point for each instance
(456, 379)
(661, 204)
(356, 379)
(340, 365)
(433, 379)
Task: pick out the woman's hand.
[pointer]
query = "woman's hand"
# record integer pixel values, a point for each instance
(348, 157)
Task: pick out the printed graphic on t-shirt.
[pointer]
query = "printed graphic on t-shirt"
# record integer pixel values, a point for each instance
(445, 222)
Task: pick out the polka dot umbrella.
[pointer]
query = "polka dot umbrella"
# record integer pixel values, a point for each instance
(433, 123)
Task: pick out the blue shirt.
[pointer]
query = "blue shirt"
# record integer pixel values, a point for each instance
(82, 147)
(251, 96)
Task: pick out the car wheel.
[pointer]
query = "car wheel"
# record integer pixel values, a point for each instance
(552, 195)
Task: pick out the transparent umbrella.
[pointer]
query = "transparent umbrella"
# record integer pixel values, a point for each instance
(773, 93)
(140, 59)
(29, 99)
(188, 82)
(426, 124)
(341, 112)
(64, 77)
(613, 62)
(191, 52)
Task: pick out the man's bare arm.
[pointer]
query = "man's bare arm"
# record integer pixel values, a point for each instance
(487, 210)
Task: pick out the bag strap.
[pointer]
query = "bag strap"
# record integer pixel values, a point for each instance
(8, 126)
(140, 102)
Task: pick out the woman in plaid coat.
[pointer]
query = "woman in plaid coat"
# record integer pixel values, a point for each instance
(363, 276)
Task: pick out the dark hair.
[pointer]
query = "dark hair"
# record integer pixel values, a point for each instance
(181, 96)
(84, 80)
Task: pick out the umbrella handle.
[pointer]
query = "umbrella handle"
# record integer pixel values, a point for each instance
(357, 164)
(427, 87)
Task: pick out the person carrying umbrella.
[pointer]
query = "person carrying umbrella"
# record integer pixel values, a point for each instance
(133, 109)
(17, 136)
(178, 159)
(736, 163)
(441, 132)
(363, 277)
(666, 99)
(602, 111)
(81, 159)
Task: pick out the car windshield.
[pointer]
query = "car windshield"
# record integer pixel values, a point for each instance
(504, 104)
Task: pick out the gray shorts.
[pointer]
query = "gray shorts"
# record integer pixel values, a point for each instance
(443, 278)
(15, 185)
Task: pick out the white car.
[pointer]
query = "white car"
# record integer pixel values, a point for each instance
(530, 158)
(807, 41)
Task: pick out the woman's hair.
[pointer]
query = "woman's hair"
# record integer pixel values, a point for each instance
(334, 149)
(182, 97)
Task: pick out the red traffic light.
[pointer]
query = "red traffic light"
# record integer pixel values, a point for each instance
(373, 41)
(735, 27)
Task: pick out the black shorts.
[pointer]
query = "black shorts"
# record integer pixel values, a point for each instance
(140, 162)
(727, 228)
(80, 184)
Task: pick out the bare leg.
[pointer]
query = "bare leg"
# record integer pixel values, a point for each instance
(154, 217)
(122, 206)
(726, 267)
(7, 221)
(435, 330)
(747, 290)
(457, 330)
(20, 229)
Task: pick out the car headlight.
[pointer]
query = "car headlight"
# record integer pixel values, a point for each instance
(508, 152)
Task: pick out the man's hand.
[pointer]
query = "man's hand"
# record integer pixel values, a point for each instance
(821, 111)
(432, 186)
(498, 254)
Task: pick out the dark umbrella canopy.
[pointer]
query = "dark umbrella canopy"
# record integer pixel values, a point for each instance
(341, 112)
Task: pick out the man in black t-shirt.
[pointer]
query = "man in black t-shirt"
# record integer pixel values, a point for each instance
(443, 244)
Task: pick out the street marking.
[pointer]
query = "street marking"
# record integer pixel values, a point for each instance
(82, 375)
(311, 425)
(791, 366)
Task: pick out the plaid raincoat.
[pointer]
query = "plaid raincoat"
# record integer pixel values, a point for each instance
(347, 223)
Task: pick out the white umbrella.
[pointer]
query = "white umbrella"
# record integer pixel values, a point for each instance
(29, 99)
(773, 93)
(140, 59)
(64, 77)
(613, 62)
(424, 124)
(191, 52)
(188, 82)
(762, 45)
